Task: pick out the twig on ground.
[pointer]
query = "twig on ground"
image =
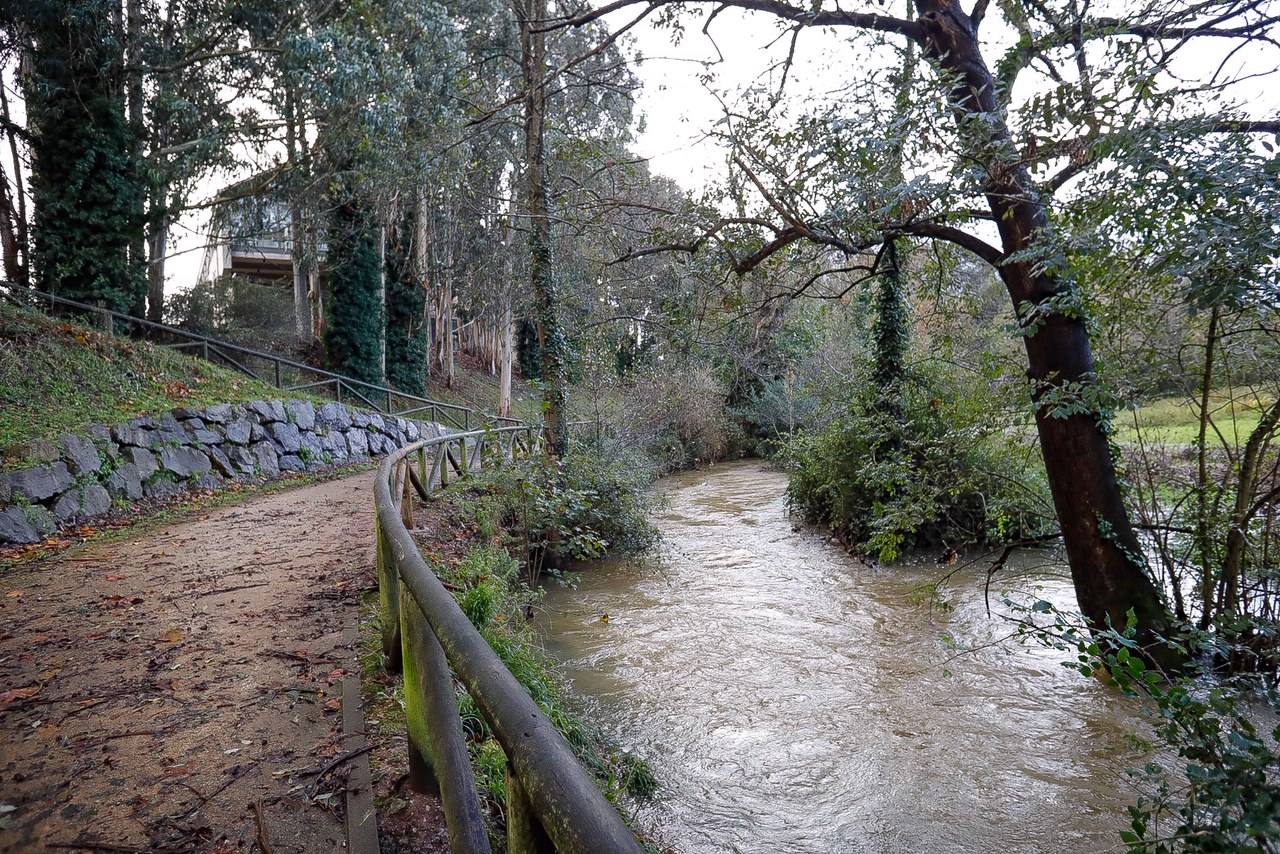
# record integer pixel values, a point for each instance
(231, 589)
(112, 848)
(264, 844)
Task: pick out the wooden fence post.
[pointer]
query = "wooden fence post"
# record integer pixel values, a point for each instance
(524, 834)
(388, 599)
(438, 759)
(406, 496)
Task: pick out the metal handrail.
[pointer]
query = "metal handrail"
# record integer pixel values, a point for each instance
(460, 416)
(553, 805)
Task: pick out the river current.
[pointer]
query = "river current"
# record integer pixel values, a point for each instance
(791, 698)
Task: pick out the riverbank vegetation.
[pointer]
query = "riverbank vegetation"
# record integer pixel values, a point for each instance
(490, 538)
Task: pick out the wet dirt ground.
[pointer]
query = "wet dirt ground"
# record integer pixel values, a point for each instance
(182, 691)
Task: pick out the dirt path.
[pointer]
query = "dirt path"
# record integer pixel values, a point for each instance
(158, 694)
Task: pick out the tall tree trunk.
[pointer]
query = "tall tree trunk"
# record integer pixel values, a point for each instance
(1243, 509)
(1203, 543)
(158, 250)
(315, 297)
(422, 258)
(301, 258)
(551, 339)
(449, 323)
(382, 293)
(9, 230)
(506, 323)
(137, 124)
(21, 270)
(1102, 549)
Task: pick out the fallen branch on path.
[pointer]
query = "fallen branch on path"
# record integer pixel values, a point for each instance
(340, 759)
(218, 791)
(336, 761)
(112, 848)
(293, 656)
(86, 707)
(231, 589)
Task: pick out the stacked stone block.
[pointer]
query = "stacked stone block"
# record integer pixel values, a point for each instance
(79, 477)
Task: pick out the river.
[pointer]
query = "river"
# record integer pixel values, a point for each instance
(793, 699)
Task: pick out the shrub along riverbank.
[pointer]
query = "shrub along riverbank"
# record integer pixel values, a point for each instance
(492, 538)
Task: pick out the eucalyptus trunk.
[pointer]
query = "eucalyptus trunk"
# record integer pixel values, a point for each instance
(301, 258)
(1204, 543)
(17, 249)
(137, 125)
(157, 255)
(551, 339)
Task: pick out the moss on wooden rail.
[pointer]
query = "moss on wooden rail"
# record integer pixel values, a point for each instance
(554, 803)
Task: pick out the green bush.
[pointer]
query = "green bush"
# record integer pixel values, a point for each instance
(239, 310)
(596, 501)
(937, 472)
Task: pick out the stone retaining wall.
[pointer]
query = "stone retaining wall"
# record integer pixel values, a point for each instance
(184, 449)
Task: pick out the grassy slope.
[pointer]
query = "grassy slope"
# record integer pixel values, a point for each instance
(474, 387)
(59, 377)
(1173, 420)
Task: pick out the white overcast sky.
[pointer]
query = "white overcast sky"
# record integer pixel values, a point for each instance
(678, 108)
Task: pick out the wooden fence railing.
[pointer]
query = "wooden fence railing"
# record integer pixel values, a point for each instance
(553, 805)
(284, 374)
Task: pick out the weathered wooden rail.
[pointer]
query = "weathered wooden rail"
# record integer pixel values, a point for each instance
(553, 805)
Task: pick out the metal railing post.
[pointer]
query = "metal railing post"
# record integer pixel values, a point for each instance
(104, 319)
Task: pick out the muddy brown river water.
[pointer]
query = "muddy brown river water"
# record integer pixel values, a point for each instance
(793, 699)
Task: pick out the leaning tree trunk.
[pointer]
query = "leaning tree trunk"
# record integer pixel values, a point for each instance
(1243, 510)
(1102, 549)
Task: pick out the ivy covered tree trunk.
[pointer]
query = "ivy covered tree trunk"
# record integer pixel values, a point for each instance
(406, 302)
(552, 343)
(1102, 549)
(891, 333)
(86, 192)
(354, 327)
